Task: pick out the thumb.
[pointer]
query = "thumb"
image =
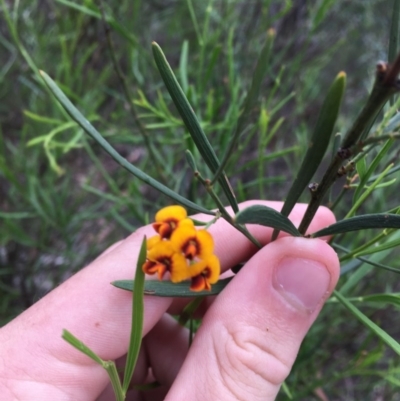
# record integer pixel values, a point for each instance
(250, 336)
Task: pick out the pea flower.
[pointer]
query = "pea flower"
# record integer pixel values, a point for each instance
(204, 273)
(181, 250)
(164, 257)
(168, 219)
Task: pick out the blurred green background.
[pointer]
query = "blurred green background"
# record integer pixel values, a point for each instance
(63, 200)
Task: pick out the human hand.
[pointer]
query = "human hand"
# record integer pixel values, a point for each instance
(244, 349)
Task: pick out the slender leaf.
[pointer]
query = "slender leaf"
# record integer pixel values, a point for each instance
(137, 318)
(390, 341)
(367, 174)
(378, 220)
(266, 216)
(191, 122)
(379, 248)
(358, 260)
(168, 289)
(80, 346)
(319, 142)
(393, 299)
(76, 115)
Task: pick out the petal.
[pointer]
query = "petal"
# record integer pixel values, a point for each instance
(208, 268)
(153, 241)
(155, 267)
(161, 250)
(205, 244)
(199, 283)
(164, 228)
(183, 235)
(175, 212)
(179, 268)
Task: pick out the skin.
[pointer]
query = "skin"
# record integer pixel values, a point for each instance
(244, 349)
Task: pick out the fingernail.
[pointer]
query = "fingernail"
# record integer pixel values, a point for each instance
(303, 283)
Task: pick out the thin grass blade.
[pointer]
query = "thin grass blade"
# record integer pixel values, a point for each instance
(371, 169)
(266, 216)
(80, 346)
(168, 289)
(319, 143)
(378, 220)
(137, 318)
(385, 337)
(191, 122)
(393, 299)
(77, 116)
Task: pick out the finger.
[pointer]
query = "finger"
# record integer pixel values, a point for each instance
(243, 248)
(232, 247)
(98, 314)
(250, 337)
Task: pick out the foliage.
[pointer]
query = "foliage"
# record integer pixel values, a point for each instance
(63, 199)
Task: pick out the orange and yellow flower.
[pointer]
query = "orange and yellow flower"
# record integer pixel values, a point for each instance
(168, 219)
(163, 257)
(204, 273)
(193, 243)
(181, 250)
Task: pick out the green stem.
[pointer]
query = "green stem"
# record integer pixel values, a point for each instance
(224, 214)
(115, 381)
(385, 86)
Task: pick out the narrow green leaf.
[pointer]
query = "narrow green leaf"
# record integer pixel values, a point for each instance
(371, 169)
(319, 142)
(168, 289)
(76, 115)
(393, 299)
(190, 160)
(109, 366)
(266, 216)
(378, 220)
(362, 197)
(80, 346)
(357, 261)
(183, 64)
(137, 318)
(379, 248)
(361, 167)
(390, 341)
(191, 122)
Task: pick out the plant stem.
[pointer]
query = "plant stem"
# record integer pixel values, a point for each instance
(224, 214)
(385, 85)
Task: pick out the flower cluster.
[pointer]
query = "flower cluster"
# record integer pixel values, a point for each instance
(181, 250)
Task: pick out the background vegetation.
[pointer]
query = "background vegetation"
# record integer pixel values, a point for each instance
(63, 200)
